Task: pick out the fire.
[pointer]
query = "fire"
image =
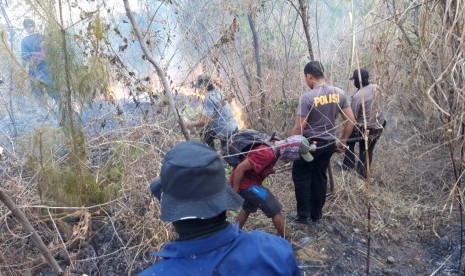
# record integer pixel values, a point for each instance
(190, 92)
(116, 91)
(237, 112)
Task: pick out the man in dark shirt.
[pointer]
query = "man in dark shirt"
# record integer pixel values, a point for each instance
(367, 106)
(316, 121)
(33, 56)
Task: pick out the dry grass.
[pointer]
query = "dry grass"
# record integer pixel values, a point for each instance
(68, 230)
(407, 195)
(421, 72)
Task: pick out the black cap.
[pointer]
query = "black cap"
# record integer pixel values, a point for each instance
(363, 73)
(203, 81)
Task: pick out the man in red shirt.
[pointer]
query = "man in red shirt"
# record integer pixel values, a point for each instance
(247, 177)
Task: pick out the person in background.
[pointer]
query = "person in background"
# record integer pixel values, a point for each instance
(194, 195)
(247, 179)
(367, 106)
(33, 56)
(217, 118)
(316, 121)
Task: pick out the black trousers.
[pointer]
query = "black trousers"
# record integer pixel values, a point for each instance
(310, 180)
(349, 156)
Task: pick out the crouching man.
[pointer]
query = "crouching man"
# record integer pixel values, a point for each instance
(247, 178)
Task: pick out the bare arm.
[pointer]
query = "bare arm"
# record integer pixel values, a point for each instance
(205, 120)
(348, 126)
(239, 173)
(299, 125)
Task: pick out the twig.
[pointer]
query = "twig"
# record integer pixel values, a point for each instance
(160, 72)
(331, 177)
(114, 228)
(59, 235)
(434, 272)
(70, 208)
(5, 216)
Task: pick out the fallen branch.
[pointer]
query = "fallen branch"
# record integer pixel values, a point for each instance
(21, 217)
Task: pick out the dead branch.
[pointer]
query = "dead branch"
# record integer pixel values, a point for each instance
(27, 225)
(160, 72)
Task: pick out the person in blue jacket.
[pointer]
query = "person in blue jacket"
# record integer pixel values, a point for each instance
(33, 56)
(194, 195)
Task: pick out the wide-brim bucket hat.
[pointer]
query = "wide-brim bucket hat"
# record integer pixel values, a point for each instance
(194, 185)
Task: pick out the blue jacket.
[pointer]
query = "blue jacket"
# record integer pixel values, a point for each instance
(37, 68)
(229, 252)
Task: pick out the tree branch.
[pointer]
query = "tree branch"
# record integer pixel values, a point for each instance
(21, 217)
(160, 72)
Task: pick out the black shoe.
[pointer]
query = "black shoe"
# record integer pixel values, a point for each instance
(299, 219)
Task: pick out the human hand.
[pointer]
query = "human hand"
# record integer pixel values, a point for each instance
(38, 57)
(186, 124)
(341, 147)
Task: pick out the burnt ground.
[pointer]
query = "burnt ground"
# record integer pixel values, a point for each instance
(111, 241)
(340, 248)
(336, 249)
(397, 246)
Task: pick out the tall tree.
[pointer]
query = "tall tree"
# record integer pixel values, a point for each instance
(259, 75)
(304, 15)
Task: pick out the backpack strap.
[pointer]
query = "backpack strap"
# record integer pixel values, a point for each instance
(275, 149)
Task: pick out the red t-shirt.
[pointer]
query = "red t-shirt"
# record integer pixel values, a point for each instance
(262, 160)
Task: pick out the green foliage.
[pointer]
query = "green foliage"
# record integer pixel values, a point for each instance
(60, 183)
(93, 80)
(77, 59)
(266, 182)
(228, 171)
(79, 140)
(80, 72)
(10, 64)
(98, 29)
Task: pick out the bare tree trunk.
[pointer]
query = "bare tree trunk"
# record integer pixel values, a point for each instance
(259, 76)
(21, 217)
(240, 54)
(317, 28)
(160, 72)
(304, 15)
(236, 90)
